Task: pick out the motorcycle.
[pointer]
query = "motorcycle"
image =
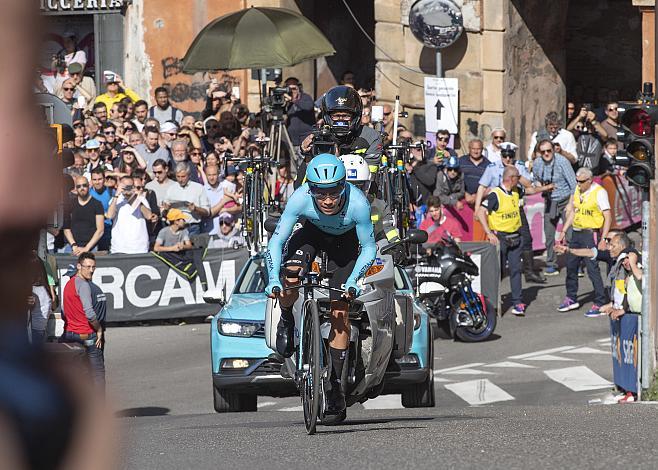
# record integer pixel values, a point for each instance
(443, 285)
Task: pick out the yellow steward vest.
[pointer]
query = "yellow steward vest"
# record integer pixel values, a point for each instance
(508, 216)
(588, 214)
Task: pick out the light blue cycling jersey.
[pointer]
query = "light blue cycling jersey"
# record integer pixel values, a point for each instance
(493, 174)
(301, 206)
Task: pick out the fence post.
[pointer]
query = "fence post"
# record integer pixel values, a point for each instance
(646, 344)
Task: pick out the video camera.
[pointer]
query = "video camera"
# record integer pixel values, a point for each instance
(323, 140)
(275, 102)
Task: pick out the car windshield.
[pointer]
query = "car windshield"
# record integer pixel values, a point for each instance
(254, 278)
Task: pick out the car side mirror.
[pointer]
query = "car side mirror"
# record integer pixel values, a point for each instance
(416, 237)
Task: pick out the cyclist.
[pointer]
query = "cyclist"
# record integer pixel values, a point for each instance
(341, 111)
(336, 219)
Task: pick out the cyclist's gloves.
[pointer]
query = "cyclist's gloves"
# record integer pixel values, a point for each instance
(272, 285)
(352, 284)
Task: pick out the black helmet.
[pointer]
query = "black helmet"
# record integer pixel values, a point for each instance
(342, 98)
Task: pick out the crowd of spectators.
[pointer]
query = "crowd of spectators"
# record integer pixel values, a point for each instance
(129, 164)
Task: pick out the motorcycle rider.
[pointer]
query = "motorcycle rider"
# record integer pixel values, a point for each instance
(500, 216)
(341, 111)
(450, 184)
(492, 178)
(336, 218)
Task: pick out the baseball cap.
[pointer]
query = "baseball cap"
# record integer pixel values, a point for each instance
(176, 214)
(92, 144)
(226, 216)
(75, 67)
(168, 127)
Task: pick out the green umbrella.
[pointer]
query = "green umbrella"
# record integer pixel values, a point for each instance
(256, 38)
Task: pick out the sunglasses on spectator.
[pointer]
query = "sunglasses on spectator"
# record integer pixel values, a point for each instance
(196, 153)
(507, 156)
(456, 170)
(224, 222)
(158, 172)
(139, 187)
(612, 109)
(543, 151)
(79, 186)
(499, 137)
(109, 132)
(68, 89)
(171, 134)
(582, 181)
(443, 139)
(387, 114)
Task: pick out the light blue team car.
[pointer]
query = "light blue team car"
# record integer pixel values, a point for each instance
(243, 367)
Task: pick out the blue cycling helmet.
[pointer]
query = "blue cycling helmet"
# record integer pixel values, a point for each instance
(325, 171)
(453, 162)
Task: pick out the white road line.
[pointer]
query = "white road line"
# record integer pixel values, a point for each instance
(441, 379)
(578, 378)
(509, 364)
(384, 402)
(473, 364)
(291, 408)
(266, 403)
(549, 357)
(545, 351)
(586, 350)
(468, 372)
(603, 340)
(479, 392)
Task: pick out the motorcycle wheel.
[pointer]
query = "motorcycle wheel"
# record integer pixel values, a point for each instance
(470, 334)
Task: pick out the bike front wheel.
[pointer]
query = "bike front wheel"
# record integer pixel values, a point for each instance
(311, 366)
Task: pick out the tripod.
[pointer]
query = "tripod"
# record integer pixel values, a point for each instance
(279, 135)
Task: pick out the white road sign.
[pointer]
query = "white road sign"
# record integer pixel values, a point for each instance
(441, 104)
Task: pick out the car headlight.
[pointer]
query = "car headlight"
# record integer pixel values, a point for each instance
(237, 328)
(236, 363)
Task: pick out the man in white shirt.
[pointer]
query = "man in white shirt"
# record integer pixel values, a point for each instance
(492, 152)
(190, 197)
(215, 195)
(553, 131)
(129, 212)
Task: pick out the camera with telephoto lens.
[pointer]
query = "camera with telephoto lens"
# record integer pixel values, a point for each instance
(323, 140)
(276, 98)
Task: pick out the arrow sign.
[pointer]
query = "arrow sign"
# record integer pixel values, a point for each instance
(438, 107)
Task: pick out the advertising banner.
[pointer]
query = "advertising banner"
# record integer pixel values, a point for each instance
(624, 346)
(141, 287)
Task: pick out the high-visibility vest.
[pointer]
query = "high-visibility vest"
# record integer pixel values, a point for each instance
(588, 214)
(508, 216)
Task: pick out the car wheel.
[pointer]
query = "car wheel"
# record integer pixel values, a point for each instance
(422, 395)
(228, 402)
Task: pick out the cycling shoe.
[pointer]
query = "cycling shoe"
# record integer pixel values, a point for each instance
(285, 337)
(335, 401)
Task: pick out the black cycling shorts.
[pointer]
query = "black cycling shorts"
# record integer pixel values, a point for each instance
(342, 252)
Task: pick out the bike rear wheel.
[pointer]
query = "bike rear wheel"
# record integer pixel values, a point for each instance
(311, 365)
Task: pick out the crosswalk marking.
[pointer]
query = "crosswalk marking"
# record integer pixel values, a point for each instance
(603, 340)
(479, 392)
(384, 402)
(291, 408)
(468, 372)
(509, 364)
(548, 357)
(578, 379)
(464, 366)
(266, 403)
(586, 350)
(538, 353)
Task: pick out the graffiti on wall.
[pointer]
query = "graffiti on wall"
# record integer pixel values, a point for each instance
(189, 91)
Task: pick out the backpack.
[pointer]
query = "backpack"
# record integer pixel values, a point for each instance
(589, 152)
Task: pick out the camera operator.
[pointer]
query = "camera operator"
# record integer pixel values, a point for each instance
(590, 125)
(301, 116)
(341, 112)
(553, 169)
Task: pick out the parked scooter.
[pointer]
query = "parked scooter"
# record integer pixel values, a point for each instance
(443, 285)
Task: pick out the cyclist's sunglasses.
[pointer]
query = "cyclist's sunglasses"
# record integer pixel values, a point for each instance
(328, 193)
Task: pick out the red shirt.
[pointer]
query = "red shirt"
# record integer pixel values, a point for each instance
(449, 225)
(77, 305)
